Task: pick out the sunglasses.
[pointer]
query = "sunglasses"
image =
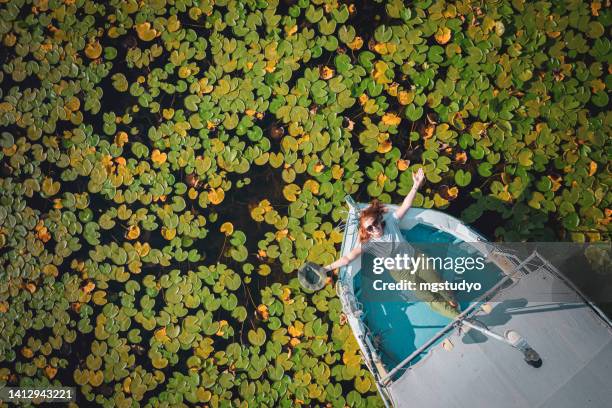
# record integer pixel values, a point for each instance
(370, 228)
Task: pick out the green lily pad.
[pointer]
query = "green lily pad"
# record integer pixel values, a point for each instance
(257, 337)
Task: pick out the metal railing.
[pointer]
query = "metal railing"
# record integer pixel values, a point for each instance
(385, 380)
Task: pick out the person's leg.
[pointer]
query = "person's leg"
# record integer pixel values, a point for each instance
(399, 275)
(435, 301)
(431, 275)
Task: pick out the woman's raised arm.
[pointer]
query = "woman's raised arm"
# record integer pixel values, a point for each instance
(417, 179)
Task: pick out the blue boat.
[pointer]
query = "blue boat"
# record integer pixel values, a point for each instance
(422, 359)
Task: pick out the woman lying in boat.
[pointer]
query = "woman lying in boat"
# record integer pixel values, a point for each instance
(376, 226)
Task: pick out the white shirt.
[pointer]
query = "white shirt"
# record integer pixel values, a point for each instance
(391, 241)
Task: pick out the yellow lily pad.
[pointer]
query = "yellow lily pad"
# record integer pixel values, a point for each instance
(391, 119)
(133, 232)
(227, 228)
(291, 191)
(121, 138)
(93, 50)
(168, 233)
(443, 35)
(379, 73)
(356, 44)
(145, 32)
(158, 157)
(216, 196)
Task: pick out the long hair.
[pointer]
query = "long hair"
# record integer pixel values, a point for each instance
(374, 210)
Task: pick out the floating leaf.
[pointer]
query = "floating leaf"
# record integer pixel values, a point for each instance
(262, 310)
(93, 50)
(264, 270)
(403, 164)
(257, 337)
(145, 32)
(356, 43)
(227, 228)
(291, 191)
(158, 157)
(327, 72)
(463, 178)
(443, 35)
(133, 232)
(216, 196)
(414, 112)
(525, 157)
(391, 119)
(50, 187)
(380, 72)
(121, 138)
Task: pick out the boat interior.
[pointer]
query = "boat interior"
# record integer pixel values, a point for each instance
(397, 327)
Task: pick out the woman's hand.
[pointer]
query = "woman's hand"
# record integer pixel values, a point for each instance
(417, 178)
(334, 271)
